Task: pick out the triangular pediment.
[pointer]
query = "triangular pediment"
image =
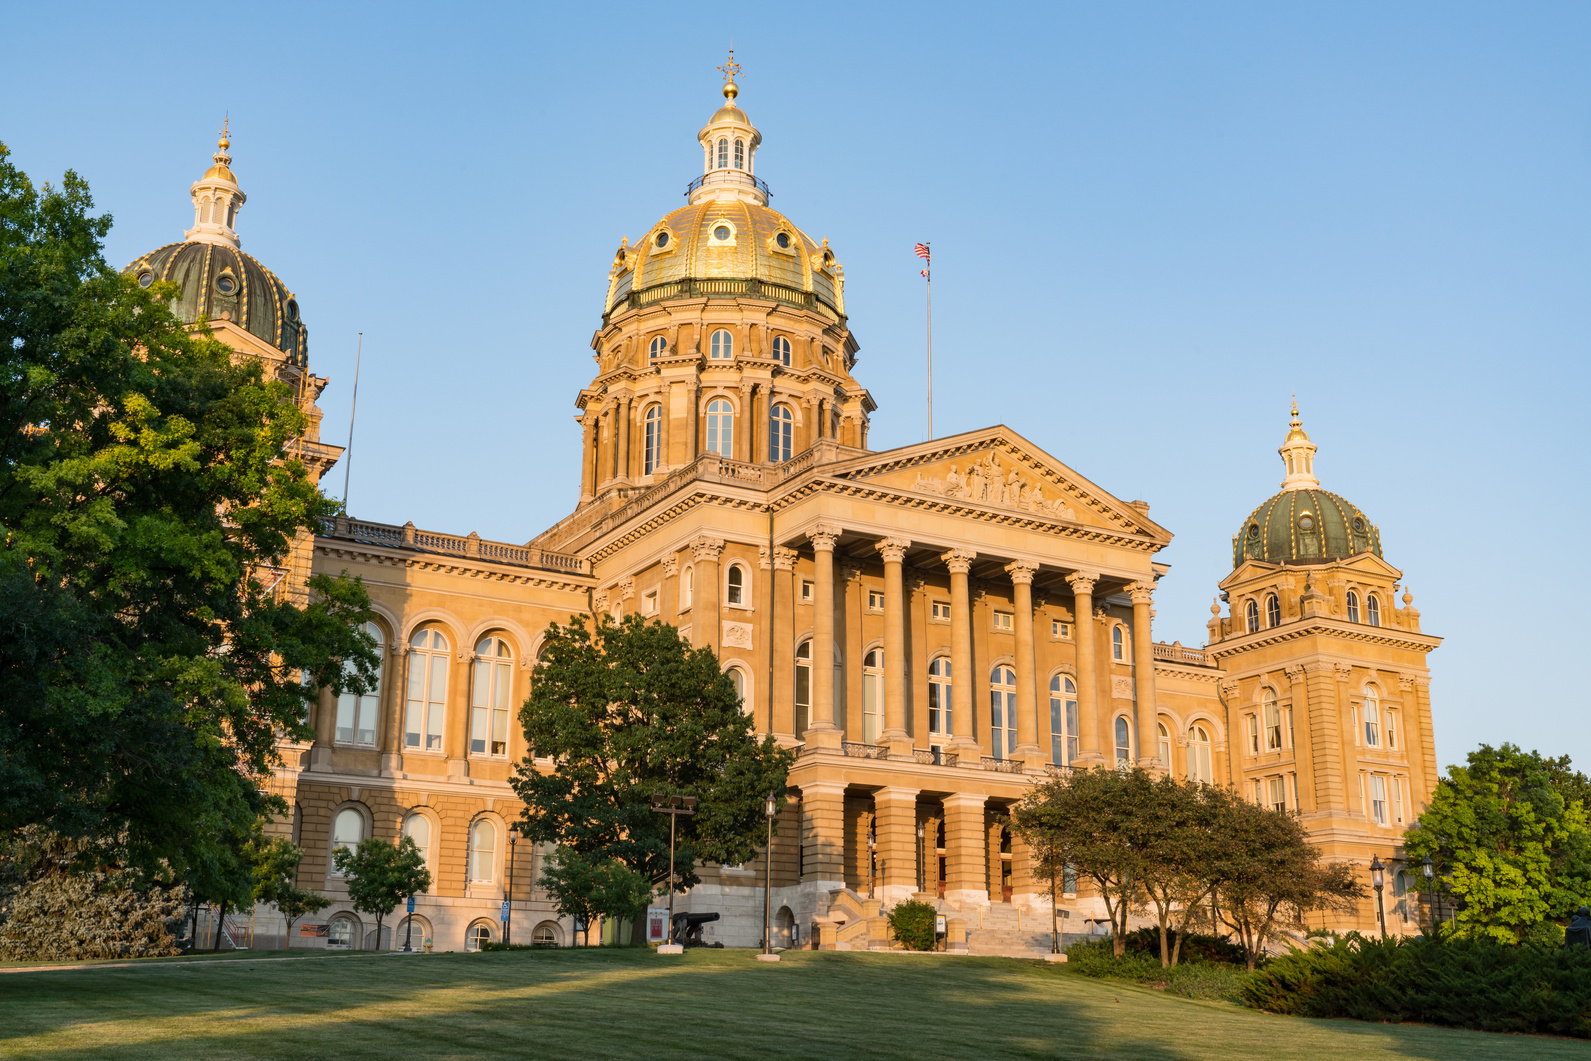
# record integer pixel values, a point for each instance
(1365, 563)
(998, 469)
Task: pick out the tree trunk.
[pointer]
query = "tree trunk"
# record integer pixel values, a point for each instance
(288, 945)
(1165, 945)
(378, 930)
(219, 921)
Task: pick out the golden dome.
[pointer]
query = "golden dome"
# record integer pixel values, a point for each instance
(219, 171)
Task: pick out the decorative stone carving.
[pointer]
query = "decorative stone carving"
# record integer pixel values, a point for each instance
(1082, 581)
(599, 601)
(1343, 671)
(1406, 682)
(705, 549)
(784, 559)
(824, 536)
(737, 635)
(1141, 592)
(988, 482)
(1121, 687)
(893, 550)
(848, 571)
(626, 588)
(1022, 571)
(1229, 687)
(959, 560)
(670, 566)
(764, 557)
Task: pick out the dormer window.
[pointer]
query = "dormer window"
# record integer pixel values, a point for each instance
(721, 233)
(740, 154)
(783, 239)
(662, 240)
(723, 154)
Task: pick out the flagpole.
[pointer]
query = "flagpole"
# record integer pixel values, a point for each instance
(348, 455)
(928, 291)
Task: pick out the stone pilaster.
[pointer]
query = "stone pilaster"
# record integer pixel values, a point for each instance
(823, 834)
(966, 850)
(1145, 716)
(704, 605)
(782, 645)
(896, 810)
(1082, 583)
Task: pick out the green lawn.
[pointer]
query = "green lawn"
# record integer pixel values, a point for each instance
(633, 1004)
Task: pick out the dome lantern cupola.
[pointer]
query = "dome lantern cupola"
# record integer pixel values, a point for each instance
(216, 199)
(729, 143)
(1298, 454)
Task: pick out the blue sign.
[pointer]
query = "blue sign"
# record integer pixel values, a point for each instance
(411, 904)
(504, 916)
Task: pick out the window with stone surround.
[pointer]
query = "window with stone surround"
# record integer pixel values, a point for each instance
(492, 690)
(426, 710)
(1278, 793)
(656, 348)
(1003, 622)
(939, 696)
(723, 153)
(1123, 742)
(1063, 720)
(735, 586)
(1353, 606)
(939, 612)
(1002, 712)
(652, 439)
(1372, 717)
(1165, 746)
(721, 428)
(1273, 721)
(1118, 643)
(722, 345)
(347, 831)
(875, 600)
(483, 852)
(781, 434)
(740, 153)
(1060, 631)
(1372, 610)
(358, 716)
(803, 687)
(781, 350)
(1251, 615)
(1199, 754)
(872, 694)
(1273, 611)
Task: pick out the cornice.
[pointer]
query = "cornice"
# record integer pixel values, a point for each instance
(1359, 633)
(449, 565)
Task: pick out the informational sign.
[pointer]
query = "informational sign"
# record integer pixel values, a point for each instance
(939, 925)
(503, 915)
(314, 931)
(411, 904)
(657, 924)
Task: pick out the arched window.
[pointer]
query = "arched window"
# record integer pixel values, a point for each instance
(1199, 754)
(1372, 713)
(1273, 721)
(1273, 611)
(478, 936)
(723, 154)
(545, 934)
(493, 688)
(781, 434)
(781, 350)
(1063, 720)
(1372, 610)
(1251, 614)
(740, 153)
(483, 845)
(687, 587)
(737, 678)
(721, 428)
(735, 585)
(1118, 644)
(1165, 746)
(1002, 711)
(1353, 607)
(657, 348)
(342, 932)
(356, 715)
(417, 827)
(872, 694)
(347, 830)
(1123, 742)
(427, 700)
(803, 687)
(721, 347)
(652, 445)
(939, 696)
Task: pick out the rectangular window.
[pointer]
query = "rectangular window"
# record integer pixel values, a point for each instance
(1060, 629)
(1002, 621)
(1278, 793)
(940, 612)
(1397, 800)
(1287, 727)
(870, 698)
(489, 708)
(938, 707)
(1254, 792)
(1273, 728)
(1253, 724)
(1392, 729)
(1378, 798)
(803, 697)
(649, 603)
(875, 600)
(806, 591)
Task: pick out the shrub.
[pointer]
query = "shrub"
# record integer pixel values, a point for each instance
(94, 915)
(1196, 947)
(1462, 982)
(1095, 957)
(1224, 981)
(913, 924)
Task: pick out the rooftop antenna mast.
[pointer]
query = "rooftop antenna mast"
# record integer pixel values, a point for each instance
(353, 406)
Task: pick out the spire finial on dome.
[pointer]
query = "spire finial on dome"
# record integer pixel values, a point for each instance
(1298, 454)
(216, 196)
(224, 143)
(731, 70)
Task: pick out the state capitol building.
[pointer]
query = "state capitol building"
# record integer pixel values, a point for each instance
(933, 628)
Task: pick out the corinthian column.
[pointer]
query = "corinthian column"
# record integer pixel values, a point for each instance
(1027, 719)
(588, 451)
(1143, 666)
(963, 741)
(625, 407)
(894, 736)
(823, 733)
(1082, 583)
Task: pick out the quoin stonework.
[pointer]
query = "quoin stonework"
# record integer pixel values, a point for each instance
(933, 628)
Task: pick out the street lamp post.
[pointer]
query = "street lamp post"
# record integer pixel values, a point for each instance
(1378, 881)
(1430, 891)
(673, 806)
(921, 869)
(767, 883)
(508, 894)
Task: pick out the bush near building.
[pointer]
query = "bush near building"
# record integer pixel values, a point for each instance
(913, 923)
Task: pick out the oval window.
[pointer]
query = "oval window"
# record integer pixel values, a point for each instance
(662, 239)
(292, 309)
(1306, 522)
(721, 232)
(226, 285)
(1253, 530)
(1358, 524)
(145, 278)
(783, 240)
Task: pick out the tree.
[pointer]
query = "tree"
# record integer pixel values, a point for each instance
(381, 875)
(626, 710)
(146, 492)
(1510, 837)
(588, 890)
(276, 882)
(1184, 827)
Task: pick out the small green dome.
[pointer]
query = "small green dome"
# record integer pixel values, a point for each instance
(1305, 526)
(220, 282)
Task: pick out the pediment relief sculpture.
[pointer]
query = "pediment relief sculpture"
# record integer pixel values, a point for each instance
(988, 482)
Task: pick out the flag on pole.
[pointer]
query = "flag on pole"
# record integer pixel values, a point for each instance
(922, 252)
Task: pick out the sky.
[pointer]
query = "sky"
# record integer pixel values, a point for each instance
(1152, 225)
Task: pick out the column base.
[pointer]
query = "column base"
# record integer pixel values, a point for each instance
(457, 768)
(968, 751)
(320, 759)
(1151, 762)
(391, 764)
(825, 735)
(897, 741)
(775, 957)
(1088, 759)
(1032, 756)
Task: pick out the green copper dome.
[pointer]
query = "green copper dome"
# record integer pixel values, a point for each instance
(1304, 526)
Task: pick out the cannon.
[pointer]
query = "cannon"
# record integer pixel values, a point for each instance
(688, 929)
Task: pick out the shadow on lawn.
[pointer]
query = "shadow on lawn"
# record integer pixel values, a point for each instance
(625, 1004)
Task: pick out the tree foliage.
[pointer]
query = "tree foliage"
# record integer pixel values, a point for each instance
(275, 864)
(626, 710)
(381, 875)
(914, 922)
(146, 487)
(587, 889)
(1509, 836)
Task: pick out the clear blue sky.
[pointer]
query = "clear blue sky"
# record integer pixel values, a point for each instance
(1151, 224)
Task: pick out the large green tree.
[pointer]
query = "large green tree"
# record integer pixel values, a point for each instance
(145, 482)
(381, 875)
(626, 710)
(1509, 836)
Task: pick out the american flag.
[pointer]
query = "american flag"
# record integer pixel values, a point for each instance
(922, 252)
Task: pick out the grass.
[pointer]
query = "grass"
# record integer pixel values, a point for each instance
(599, 1003)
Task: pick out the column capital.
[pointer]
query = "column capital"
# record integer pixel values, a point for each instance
(1342, 670)
(784, 559)
(1082, 581)
(893, 550)
(1230, 687)
(824, 536)
(959, 560)
(670, 566)
(1141, 592)
(705, 549)
(1022, 571)
(599, 603)
(626, 587)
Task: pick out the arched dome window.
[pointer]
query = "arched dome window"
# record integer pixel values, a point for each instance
(1273, 611)
(1372, 610)
(722, 345)
(1063, 720)
(489, 698)
(723, 154)
(1199, 754)
(781, 350)
(781, 434)
(740, 153)
(1251, 615)
(657, 347)
(1353, 607)
(939, 696)
(652, 440)
(1002, 711)
(721, 428)
(872, 694)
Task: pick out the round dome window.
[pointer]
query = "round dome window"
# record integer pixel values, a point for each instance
(1358, 524)
(783, 239)
(146, 278)
(1306, 522)
(1253, 530)
(292, 309)
(226, 285)
(662, 239)
(721, 233)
